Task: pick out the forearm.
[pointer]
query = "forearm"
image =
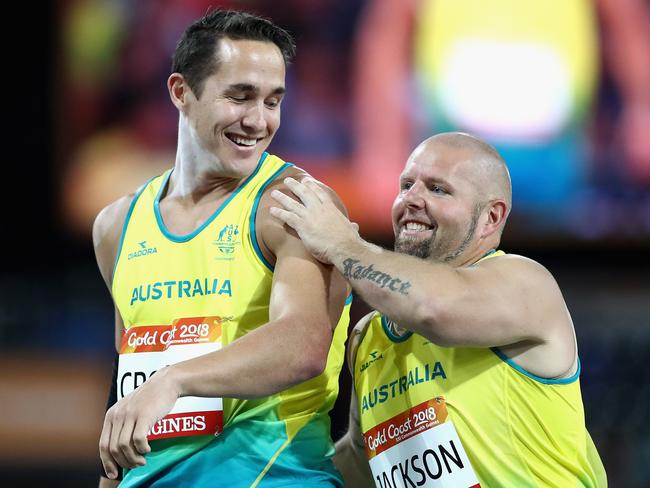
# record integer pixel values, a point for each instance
(261, 363)
(400, 286)
(350, 458)
(352, 463)
(104, 482)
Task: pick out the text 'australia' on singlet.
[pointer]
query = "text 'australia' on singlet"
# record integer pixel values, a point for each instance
(185, 295)
(466, 417)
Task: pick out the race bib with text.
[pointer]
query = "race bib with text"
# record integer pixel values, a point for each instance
(146, 349)
(419, 447)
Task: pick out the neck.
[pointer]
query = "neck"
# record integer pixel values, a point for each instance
(194, 186)
(197, 171)
(468, 259)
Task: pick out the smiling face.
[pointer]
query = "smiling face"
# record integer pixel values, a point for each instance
(437, 210)
(238, 111)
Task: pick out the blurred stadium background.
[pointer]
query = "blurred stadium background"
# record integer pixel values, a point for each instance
(561, 87)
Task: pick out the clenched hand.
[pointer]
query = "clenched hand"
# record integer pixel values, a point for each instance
(123, 440)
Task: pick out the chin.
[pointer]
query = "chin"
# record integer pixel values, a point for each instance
(418, 249)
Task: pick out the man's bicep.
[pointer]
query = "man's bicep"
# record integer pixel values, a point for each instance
(107, 230)
(503, 301)
(303, 286)
(301, 302)
(103, 245)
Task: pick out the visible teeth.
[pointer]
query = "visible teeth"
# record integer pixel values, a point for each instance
(244, 141)
(416, 226)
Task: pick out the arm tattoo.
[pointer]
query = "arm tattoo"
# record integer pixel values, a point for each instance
(355, 271)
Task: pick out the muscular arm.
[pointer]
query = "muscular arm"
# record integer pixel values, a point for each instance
(107, 230)
(503, 301)
(304, 308)
(495, 303)
(350, 458)
(306, 301)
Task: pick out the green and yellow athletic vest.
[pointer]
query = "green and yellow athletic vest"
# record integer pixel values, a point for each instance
(195, 291)
(466, 417)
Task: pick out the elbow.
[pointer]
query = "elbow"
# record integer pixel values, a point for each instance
(307, 347)
(311, 370)
(433, 322)
(312, 364)
(443, 340)
(312, 359)
(426, 318)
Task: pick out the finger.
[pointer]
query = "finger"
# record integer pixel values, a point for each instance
(114, 443)
(320, 184)
(318, 189)
(126, 445)
(287, 202)
(289, 218)
(140, 441)
(110, 466)
(355, 226)
(302, 191)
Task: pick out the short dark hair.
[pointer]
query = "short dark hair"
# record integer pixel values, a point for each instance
(195, 57)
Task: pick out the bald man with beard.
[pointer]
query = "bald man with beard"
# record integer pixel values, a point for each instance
(467, 374)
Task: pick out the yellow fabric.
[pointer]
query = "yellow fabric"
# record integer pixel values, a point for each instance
(568, 28)
(216, 271)
(518, 430)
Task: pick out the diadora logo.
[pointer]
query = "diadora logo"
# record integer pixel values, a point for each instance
(143, 250)
(228, 239)
(371, 359)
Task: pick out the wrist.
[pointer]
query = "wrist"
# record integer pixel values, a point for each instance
(172, 377)
(353, 248)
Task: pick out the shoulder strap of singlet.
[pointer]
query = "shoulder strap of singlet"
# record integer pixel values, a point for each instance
(356, 337)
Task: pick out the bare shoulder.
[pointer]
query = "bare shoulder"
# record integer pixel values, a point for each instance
(532, 300)
(529, 295)
(110, 219)
(300, 175)
(270, 231)
(107, 230)
(518, 269)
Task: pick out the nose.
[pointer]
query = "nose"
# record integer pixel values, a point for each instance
(413, 197)
(254, 118)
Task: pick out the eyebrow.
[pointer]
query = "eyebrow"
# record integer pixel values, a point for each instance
(248, 88)
(428, 180)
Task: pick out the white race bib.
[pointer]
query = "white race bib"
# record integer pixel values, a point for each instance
(148, 348)
(419, 447)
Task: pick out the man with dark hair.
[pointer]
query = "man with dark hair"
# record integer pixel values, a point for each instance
(195, 57)
(242, 327)
(468, 373)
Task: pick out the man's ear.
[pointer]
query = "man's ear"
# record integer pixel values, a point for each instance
(179, 90)
(497, 211)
